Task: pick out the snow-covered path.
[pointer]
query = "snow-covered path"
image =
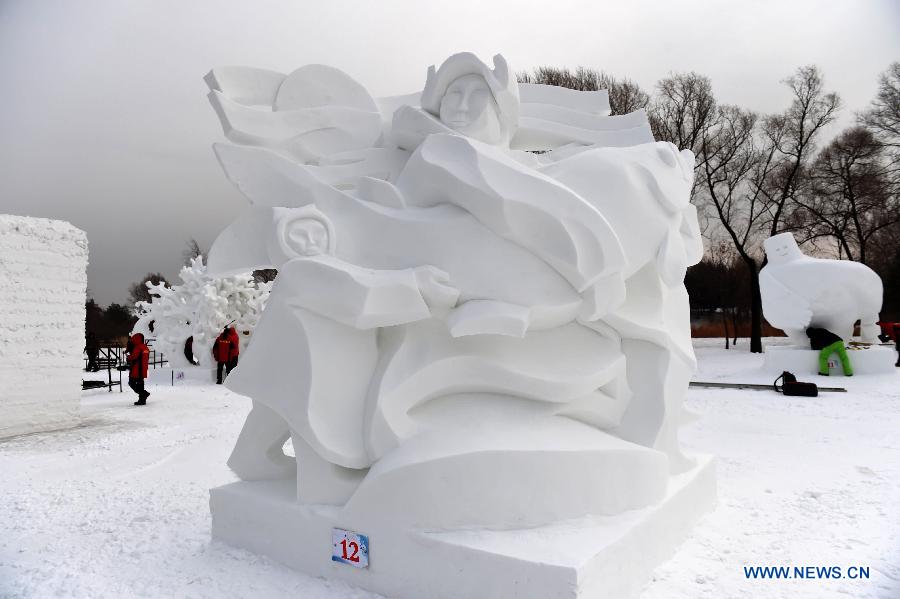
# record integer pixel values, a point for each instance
(119, 506)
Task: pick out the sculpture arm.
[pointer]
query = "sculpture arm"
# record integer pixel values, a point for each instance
(783, 308)
(488, 317)
(359, 297)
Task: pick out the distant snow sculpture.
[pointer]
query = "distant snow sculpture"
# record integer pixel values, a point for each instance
(463, 333)
(200, 307)
(799, 292)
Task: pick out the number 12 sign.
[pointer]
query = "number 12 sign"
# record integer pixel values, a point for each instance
(349, 547)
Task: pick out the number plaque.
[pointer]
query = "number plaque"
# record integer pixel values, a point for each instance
(349, 547)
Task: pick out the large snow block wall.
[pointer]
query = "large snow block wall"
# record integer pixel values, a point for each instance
(43, 283)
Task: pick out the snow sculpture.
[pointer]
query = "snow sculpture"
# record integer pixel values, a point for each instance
(43, 278)
(463, 333)
(201, 306)
(799, 291)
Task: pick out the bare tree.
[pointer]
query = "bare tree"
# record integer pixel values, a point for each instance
(883, 120)
(850, 200)
(792, 135)
(558, 76)
(193, 250)
(731, 165)
(683, 109)
(883, 115)
(138, 292)
(624, 94)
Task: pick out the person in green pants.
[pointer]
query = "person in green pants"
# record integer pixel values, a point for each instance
(828, 343)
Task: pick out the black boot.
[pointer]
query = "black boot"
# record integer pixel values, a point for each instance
(141, 402)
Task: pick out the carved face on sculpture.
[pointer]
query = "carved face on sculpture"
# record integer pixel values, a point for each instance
(469, 97)
(294, 233)
(469, 107)
(308, 237)
(782, 248)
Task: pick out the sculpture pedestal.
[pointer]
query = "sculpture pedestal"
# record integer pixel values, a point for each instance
(610, 556)
(875, 359)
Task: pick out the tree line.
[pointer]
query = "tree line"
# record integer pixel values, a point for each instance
(757, 175)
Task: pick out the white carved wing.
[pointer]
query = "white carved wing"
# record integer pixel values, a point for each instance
(269, 179)
(314, 112)
(318, 115)
(553, 117)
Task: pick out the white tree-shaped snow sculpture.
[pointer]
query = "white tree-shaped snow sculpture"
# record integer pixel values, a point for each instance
(201, 306)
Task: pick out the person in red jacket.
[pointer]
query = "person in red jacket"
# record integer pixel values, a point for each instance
(226, 350)
(234, 349)
(138, 356)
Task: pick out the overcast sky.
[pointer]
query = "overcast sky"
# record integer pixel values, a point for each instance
(104, 120)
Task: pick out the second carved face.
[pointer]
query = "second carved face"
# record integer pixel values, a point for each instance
(309, 237)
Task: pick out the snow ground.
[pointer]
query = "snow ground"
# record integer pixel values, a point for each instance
(118, 507)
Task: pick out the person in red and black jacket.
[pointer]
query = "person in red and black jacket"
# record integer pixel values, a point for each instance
(226, 350)
(138, 355)
(234, 349)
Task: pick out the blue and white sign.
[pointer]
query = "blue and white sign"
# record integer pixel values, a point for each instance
(349, 547)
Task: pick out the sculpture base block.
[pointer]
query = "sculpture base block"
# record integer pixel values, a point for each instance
(876, 359)
(610, 556)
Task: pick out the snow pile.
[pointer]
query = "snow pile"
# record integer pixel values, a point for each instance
(42, 293)
(201, 306)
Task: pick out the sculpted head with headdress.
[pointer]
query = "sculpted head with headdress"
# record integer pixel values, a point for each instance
(471, 98)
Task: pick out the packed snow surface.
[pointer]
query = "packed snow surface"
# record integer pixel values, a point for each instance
(119, 506)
